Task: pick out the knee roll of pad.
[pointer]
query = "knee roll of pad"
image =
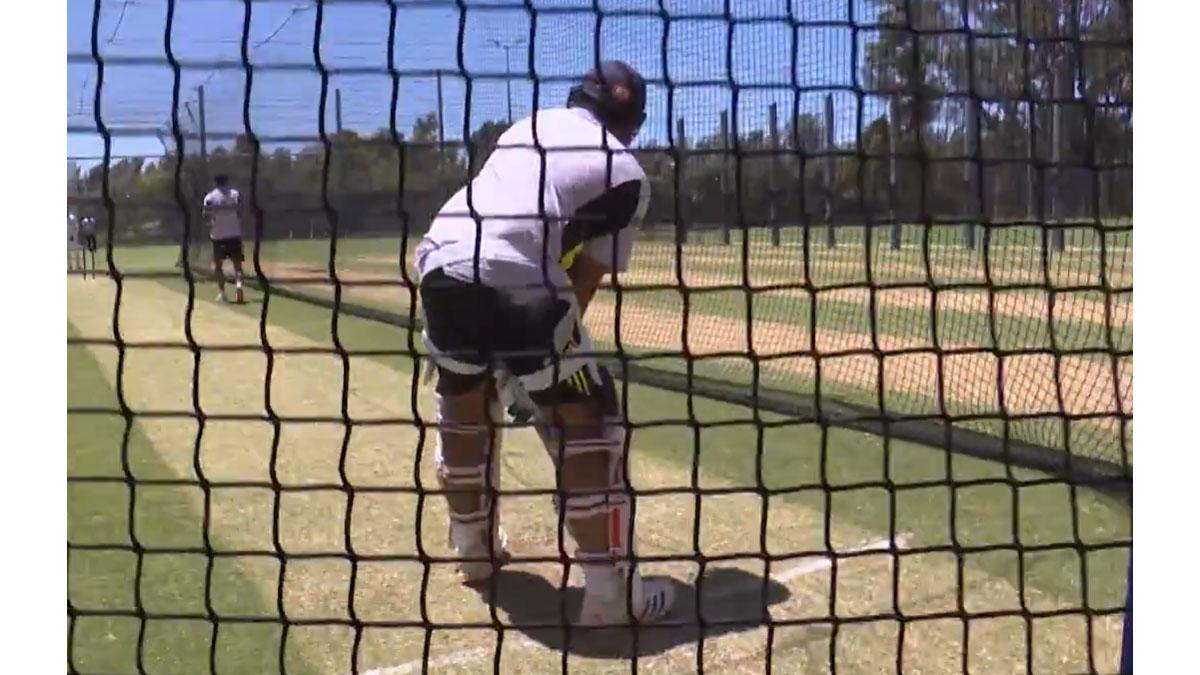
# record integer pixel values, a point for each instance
(613, 504)
(479, 476)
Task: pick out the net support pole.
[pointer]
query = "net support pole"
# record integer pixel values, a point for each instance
(968, 230)
(725, 211)
(830, 233)
(440, 113)
(1058, 234)
(681, 233)
(772, 179)
(203, 129)
(337, 110)
(339, 147)
(205, 179)
(1030, 187)
(893, 192)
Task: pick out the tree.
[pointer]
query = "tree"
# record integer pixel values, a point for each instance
(483, 141)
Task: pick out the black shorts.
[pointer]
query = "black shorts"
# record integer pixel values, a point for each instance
(473, 327)
(227, 248)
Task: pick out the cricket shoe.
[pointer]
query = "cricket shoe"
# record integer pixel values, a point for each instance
(221, 297)
(610, 604)
(479, 561)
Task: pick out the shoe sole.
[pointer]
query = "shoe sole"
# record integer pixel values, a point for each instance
(488, 570)
(658, 606)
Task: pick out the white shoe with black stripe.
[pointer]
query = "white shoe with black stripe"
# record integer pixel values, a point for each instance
(649, 602)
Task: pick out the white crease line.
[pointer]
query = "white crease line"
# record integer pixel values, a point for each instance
(809, 567)
(813, 566)
(799, 570)
(416, 666)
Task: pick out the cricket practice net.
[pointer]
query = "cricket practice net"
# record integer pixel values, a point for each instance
(909, 218)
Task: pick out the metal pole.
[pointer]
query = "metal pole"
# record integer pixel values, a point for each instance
(725, 177)
(339, 148)
(203, 124)
(681, 233)
(203, 130)
(337, 109)
(830, 234)
(1059, 235)
(968, 136)
(893, 191)
(507, 70)
(508, 82)
(440, 113)
(772, 185)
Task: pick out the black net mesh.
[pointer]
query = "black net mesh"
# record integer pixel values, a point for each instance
(875, 343)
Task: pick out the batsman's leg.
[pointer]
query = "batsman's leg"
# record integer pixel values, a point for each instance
(468, 469)
(587, 441)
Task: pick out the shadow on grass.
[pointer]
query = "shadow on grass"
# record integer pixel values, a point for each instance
(734, 601)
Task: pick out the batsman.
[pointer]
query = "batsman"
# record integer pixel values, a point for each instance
(507, 270)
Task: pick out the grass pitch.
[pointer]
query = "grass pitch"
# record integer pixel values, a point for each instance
(1011, 304)
(260, 550)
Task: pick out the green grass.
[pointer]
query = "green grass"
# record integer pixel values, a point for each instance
(1015, 259)
(834, 466)
(792, 458)
(963, 328)
(168, 583)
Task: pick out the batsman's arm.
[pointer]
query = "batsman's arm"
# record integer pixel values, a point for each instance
(586, 275)
(599, 238)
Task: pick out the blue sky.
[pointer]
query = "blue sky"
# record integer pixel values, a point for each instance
(285, 97)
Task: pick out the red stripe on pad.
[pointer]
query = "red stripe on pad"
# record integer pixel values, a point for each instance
(614, 530)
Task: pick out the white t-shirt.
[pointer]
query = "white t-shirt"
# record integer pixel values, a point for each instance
(526, 214)
(222, 208)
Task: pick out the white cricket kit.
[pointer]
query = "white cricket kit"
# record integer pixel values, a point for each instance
(222, 205)
(525, 197)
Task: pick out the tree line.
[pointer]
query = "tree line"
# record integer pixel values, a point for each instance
(1020, 117)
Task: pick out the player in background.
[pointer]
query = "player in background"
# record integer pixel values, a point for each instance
(87, 241)
(73, 248)
(507, 270)
(222, 207)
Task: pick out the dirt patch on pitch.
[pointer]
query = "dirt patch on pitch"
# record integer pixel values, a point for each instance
(1031, 304)
(1030, 385)
(1028, 304)
(969, 381)
(1014, 267)
(702, 271)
